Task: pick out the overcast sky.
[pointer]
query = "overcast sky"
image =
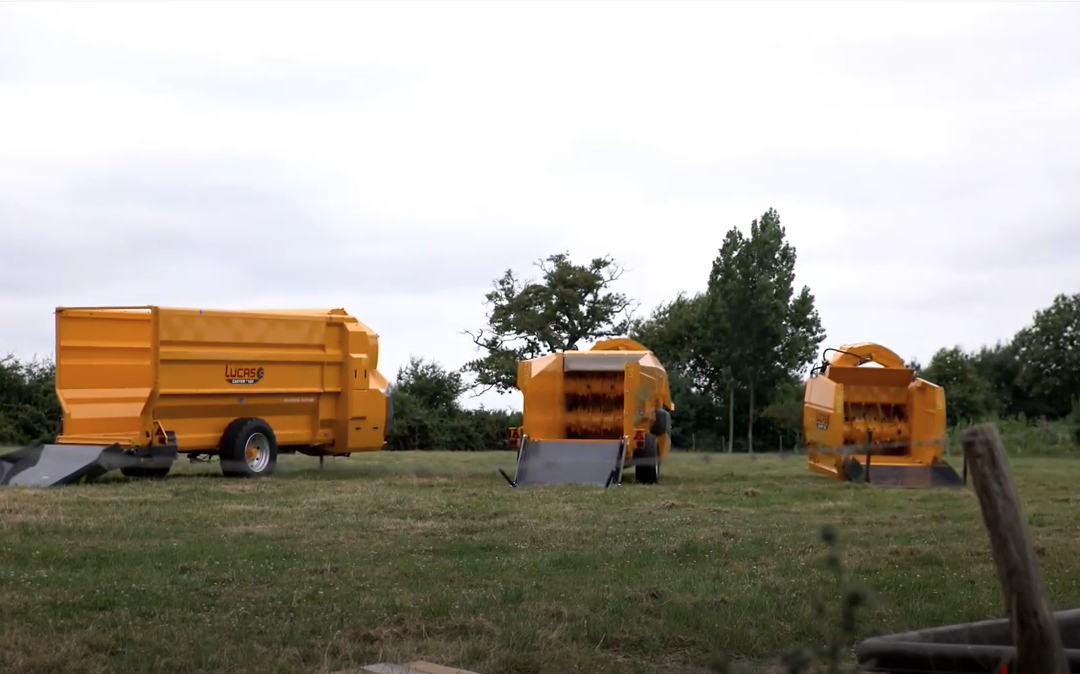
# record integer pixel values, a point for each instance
(394, 158)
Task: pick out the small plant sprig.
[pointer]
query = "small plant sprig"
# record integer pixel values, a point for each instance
(838, 634)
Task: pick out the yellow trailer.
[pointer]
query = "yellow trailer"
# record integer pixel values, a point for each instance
(587, 415)
(138, 386)
(883, 425)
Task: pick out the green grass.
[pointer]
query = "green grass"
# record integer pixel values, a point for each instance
(404, 556)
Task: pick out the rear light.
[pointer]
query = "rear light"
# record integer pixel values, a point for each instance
(639, 439)
(515, 437)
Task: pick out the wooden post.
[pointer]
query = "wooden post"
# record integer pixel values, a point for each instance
(1034, 632)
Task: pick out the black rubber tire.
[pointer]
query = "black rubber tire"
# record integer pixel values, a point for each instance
(234, 441)
(661, 422)
(147, 473)
(647, 463)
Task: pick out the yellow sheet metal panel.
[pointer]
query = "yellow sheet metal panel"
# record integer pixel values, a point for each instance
(927, 403)
(104, 371)
(820, 394)
(542, 383)
(311, 374)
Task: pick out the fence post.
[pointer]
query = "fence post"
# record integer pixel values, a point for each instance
(1034, 632)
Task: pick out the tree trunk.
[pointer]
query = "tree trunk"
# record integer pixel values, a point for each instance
(750, 422)
(730, 416)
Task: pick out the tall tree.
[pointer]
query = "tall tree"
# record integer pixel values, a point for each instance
(763, 332)
(571, 304)
(1049, 353)
(720, 347)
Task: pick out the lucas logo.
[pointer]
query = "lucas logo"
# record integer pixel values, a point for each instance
(822, 422)
(238, 374)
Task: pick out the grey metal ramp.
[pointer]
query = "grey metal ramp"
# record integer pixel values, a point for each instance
(48, 465)
(569, 461)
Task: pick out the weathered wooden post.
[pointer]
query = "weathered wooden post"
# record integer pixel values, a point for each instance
(1035, 634)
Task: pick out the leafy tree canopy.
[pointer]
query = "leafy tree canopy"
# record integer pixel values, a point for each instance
(673, 332)
(29, 410)
(1049, 353)
(968, 396)
(430, 384)
(760, 333)
(568, 306)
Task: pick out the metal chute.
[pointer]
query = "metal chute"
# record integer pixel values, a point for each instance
(597, 462)
(43, 465)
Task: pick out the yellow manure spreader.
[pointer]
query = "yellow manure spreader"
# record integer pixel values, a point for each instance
(868, 417)
(588, 415)
(139, 386)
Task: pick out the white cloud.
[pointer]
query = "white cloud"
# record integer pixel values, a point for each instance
(393, 158)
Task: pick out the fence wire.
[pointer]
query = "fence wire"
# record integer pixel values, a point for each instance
(1049, 440)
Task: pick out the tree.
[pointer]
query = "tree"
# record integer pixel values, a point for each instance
(761, 333)
(430, 384)
(673, 332)
(570, 305)
(428, 413)
(784, 415)
(719, 347)
(968, 395)
(29, 409)
(425, 399)
(1049, 355)
(999, 365)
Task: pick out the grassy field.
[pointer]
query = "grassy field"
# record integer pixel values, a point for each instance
(433, 556)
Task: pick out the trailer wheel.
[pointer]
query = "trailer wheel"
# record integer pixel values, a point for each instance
(662, 422)
(647, 464)
(248, 448)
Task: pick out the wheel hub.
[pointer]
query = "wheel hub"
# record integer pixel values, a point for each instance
(257, 452)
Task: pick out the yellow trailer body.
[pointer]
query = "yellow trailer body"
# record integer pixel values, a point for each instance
(880, 424)
(155, 382)
(591, 413)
